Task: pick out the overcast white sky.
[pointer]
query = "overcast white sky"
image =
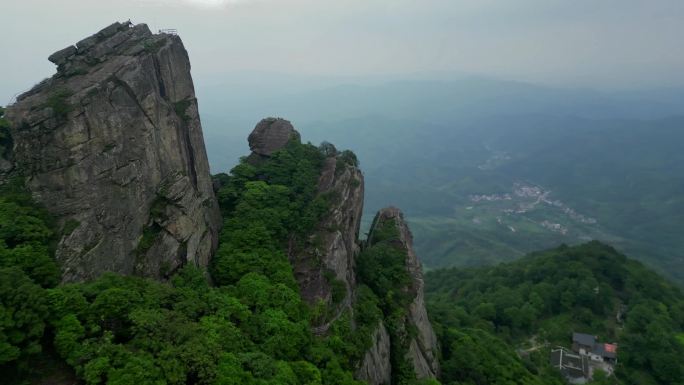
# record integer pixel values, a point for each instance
(596, 43)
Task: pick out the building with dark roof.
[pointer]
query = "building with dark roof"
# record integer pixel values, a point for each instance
(573, 366)
(587, 354)
(583, 343)
(588, 345)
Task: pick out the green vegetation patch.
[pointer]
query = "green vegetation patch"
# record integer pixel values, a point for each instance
(153, 45)
(267, 206)
(345, 159)
(158, 208)
(147, 239)
(5, 135)
(680, 338)
(58, 102)
(544, 297)
(382, 267)
(69, 226)
(477, 357)
(181, 109)
(27, 269)
(385, 231)
(338, 287)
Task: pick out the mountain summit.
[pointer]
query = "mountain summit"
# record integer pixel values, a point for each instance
(112, 145)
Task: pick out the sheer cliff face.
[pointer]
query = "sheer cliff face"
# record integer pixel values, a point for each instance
(423, 346)
(335, 240)
(112, 145)
(376, 367)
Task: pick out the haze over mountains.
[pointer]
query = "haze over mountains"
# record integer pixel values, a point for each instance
(125, 260)
(461, 154)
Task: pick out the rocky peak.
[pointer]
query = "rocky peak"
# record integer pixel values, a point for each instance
(115, 39)
(270, 135)
(423, 345)
(325, 265)
(112, 145)
(395, 215)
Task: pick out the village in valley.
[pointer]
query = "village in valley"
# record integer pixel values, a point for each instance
(526, 197)
(530, 210)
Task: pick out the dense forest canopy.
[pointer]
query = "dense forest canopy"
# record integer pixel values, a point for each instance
(540, 300)
(249, 326)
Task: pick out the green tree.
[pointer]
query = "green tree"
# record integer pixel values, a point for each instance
(23, 310)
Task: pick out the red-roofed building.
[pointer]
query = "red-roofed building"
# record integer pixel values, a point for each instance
(586, 344)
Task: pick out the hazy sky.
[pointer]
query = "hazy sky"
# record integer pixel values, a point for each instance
(599, 43)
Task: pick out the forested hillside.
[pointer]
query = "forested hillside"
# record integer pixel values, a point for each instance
(537, 302)
(252, 327)
(242, 322)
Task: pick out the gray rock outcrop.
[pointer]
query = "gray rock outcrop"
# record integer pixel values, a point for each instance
(324, 263)
(376, 367)
(333, 246)
(423, 347)
(112, 145)
(270, 135)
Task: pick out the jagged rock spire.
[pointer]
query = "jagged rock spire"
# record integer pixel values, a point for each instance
(423, 346)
